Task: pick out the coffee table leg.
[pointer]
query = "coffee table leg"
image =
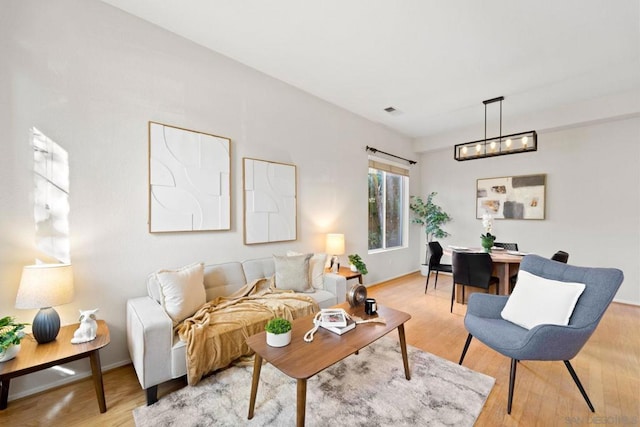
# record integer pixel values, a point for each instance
(96, 371)
(301, 402)
(257, 366)
(403, 348)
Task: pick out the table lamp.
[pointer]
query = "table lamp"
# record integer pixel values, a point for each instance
(43, 286)
(335, 247)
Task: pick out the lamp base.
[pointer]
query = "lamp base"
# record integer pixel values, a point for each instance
(46, 325)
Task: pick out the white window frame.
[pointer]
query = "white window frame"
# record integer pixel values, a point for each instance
(393, 167)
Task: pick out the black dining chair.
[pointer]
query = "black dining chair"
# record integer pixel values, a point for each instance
(507, 246)
(436, 252)
(472, 269)
(560, 256)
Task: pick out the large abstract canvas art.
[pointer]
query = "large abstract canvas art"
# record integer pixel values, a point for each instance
(512, 197)
(189, 180)
(269, 201)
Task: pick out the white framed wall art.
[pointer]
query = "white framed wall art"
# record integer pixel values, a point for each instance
(189, 180)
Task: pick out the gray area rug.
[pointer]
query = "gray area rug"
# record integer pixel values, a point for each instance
(367, 389)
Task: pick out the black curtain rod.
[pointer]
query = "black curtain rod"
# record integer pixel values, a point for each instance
(375, 150)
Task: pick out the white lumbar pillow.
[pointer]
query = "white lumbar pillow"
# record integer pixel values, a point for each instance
(182, 291)
(539, 301)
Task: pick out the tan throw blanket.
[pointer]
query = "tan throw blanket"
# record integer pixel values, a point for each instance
(216, 335)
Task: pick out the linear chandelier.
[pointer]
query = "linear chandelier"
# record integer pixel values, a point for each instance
(496, 146)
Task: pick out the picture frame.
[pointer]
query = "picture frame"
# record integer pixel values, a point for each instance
(270, 201)
(189, 180)
(512, 197)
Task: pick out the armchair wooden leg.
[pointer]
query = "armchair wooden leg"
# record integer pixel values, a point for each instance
(466, 347)
(512, 380)
(579, 384)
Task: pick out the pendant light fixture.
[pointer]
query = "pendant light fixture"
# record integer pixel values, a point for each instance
(496, 146)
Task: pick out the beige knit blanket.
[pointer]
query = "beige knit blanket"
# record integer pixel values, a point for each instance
(216, 334)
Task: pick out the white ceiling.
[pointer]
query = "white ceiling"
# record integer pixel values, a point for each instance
(433, 60)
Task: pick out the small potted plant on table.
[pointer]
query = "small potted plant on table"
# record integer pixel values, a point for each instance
(11, 333)
(278, 332)
(357, 264)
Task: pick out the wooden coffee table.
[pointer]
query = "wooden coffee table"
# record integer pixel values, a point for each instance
(302, 360)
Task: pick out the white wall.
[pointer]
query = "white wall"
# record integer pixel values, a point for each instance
(90, 77)
(593, 197)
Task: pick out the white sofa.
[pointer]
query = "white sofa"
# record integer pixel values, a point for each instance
(158, 355)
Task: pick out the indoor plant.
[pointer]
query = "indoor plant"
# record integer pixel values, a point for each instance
(487, 239)
(11, 333)
(358, 264)
(431, 216)
(278, 332)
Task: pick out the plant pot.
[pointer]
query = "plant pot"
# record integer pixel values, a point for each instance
(9, 353)
(424, 269)
(487, 244)
(353, 268)
(278, 340)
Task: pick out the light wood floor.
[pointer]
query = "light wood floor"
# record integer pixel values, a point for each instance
(545, 394)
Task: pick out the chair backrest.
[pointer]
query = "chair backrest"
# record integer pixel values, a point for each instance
(471, 268)
(435, 249)
(507, 246)
(601, 285)
(561, 256)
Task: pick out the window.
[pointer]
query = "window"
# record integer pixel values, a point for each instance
(388, 205)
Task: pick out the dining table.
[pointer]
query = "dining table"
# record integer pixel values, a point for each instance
(505, 264)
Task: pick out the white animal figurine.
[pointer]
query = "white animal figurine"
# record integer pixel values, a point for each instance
(88, 327)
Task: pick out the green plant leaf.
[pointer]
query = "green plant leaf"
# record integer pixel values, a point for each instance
(429, 215)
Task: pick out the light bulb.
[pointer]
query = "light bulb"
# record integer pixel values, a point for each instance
(525, 139)
(464, 150)
(493, 145)
(508, 143)
(478, 148)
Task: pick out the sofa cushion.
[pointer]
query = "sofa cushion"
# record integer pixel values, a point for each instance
(258, 268)
(539, 301)
(221, 280)
(316, 268)
(182, 291)
(292, 272)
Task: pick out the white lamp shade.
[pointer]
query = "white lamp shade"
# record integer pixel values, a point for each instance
(335, 244)
(45, 285)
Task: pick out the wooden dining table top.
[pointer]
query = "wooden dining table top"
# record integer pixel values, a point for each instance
(503, 256)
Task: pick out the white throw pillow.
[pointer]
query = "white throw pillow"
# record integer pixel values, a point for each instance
(182, 291)
(316, 268)
(539, 301)
(292, 273)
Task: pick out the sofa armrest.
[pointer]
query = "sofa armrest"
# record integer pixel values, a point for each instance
(337, 285)
(149, 338)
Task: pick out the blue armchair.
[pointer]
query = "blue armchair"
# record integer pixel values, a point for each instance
(543, 342)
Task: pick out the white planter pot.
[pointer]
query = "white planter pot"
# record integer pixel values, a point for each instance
(278, 340)
(353, 268)
(10, 353)
(424, 270)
